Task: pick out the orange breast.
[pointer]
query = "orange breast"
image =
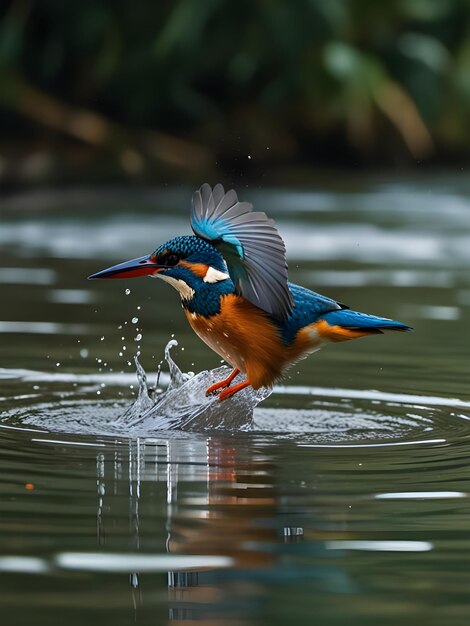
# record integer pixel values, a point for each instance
(246, 338)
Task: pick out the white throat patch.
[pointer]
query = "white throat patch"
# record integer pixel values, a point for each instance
(185, 291)
(214, 276)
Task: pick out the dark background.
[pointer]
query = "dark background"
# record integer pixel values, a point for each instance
(163, 91)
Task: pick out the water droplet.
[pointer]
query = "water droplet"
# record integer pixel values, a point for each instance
(138, 337)
(249, 156)
(99, 360)
(36, 387)
(102, 338)
(84, 353)
(127, 292)
(138, 308)
(98, 393)
(129, 363)
(124, 348)
(135, 320)
(121, 354)
(103, 385)
(57, 364)
(122, 338)
(119, 327)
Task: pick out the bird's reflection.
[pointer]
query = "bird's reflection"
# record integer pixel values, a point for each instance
(220, 500)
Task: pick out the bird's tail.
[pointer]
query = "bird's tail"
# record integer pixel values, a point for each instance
(346, 324)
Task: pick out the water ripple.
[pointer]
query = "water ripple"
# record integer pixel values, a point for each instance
(330, 417)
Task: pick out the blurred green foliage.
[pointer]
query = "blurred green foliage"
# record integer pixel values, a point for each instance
(189, 82)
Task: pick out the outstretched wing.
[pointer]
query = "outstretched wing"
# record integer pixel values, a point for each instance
(250, 244)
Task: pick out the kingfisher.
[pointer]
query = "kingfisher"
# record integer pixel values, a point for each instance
(233, 282)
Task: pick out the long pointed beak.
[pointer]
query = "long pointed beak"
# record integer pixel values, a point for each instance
(143, 266)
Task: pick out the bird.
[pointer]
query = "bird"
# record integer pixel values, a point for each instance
(232, 276)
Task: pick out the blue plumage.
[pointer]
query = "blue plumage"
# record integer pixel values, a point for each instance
(193, 250)
(251, 245)
(309, 307)
(363, 321)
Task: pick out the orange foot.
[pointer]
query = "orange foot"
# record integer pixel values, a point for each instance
(231, 391)
(223, 383)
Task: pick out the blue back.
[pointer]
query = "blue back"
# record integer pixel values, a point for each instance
(309, 306)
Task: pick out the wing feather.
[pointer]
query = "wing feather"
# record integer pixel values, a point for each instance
(251, 245)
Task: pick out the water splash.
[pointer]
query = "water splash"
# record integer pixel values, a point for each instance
(325, 417)
(66, 402)
(183, 405)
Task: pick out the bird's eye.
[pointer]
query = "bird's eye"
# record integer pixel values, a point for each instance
(171, 259)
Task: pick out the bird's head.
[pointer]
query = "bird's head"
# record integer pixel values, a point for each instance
(187, 263)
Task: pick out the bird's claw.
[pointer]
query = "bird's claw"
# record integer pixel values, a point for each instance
(222, 384)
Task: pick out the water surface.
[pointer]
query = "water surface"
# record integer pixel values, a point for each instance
(346, 501)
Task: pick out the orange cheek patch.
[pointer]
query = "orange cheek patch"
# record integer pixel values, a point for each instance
(200, 269)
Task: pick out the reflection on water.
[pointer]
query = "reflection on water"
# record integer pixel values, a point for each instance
(347, 498)
(219, 525)
(220, 510)
(218, 530)
(234, 527)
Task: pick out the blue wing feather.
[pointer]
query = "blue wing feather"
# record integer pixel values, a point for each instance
(250, 244)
